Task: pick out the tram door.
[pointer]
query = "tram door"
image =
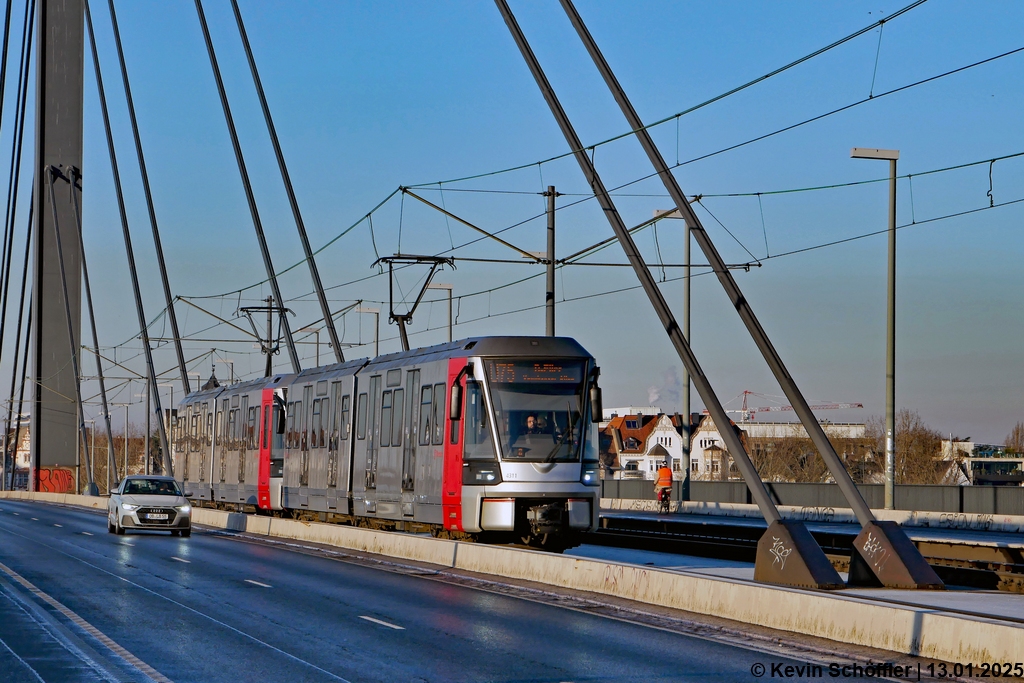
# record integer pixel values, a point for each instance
(265, 443)
(451, 480)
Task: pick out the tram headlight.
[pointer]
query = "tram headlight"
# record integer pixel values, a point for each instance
(591, 477)
(481, 473)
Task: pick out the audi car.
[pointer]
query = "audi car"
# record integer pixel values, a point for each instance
(149, 502)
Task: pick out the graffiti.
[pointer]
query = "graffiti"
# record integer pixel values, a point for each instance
(780, 551)
(55, 480)
(959, 520)
(875, 551)
(817, 514)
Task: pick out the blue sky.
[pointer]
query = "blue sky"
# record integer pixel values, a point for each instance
(370, 96)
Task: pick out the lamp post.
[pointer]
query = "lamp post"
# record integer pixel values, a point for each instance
(316, 331)
(376, 326)
(438, 285)
(890, 155)
(92, 448)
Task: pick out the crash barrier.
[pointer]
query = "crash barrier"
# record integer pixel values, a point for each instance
(816, 513)
(981, 500)
(923, 631)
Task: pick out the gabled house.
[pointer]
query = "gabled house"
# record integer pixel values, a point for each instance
(634, 446)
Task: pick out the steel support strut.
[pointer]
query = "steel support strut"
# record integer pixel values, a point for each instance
(250, 197)
(795, 558)
(168, 465)
(923, 575)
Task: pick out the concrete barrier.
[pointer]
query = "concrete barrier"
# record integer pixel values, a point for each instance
(908, 518)
(924, 631)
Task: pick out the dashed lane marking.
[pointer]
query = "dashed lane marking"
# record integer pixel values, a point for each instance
(35, 519)
(86, 533)
(87, 627)
(178, 559)
(383, 623)
(60, 525)
(257, 583)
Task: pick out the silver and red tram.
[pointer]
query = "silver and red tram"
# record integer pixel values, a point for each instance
(490, 438)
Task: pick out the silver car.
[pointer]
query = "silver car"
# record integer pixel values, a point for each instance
(149, 502)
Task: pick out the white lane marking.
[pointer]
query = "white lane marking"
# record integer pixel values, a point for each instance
(383, 623)
(87, 533)
(26, 664)
(18, 513)
(178, 559)
(87, 627)
(185, 607)
(60, 525)
(35, 519)
(257, 583)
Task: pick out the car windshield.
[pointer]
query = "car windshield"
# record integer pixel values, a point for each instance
(152, 487)
(537, 408)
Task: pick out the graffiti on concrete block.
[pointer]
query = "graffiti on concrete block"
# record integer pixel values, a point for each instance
(810, 513)
(780, 551)
(875, 552)
(960, 520)
(55, 480)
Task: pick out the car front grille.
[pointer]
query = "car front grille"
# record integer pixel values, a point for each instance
(143, 515)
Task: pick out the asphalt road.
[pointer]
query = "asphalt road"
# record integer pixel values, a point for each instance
(79, 604)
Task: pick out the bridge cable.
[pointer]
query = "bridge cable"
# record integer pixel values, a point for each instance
(17, 344)
(14, 179)
(314, 274)
(168, 299)
(253, 209)
(168, 467)
(21, 391)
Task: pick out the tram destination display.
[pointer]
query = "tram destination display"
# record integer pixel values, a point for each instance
(535, 372)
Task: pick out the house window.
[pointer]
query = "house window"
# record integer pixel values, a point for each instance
(694, 467)
(675, 466)
(632, 424)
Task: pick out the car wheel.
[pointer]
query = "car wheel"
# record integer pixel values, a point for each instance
(110, 526)
(174, 532)
(118, 529)
(186, 532)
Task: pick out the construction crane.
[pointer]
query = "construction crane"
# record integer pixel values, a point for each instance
(748, 414)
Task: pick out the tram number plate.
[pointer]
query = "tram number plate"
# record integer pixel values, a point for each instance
(156, 516)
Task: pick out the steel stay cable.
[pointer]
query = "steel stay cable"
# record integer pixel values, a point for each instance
(168, 466)
(17, 340)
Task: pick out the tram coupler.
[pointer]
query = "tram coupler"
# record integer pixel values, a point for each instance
(884, 556)
(788, 555)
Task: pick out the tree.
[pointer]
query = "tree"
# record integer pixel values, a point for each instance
(1015, 440)
(918, 449)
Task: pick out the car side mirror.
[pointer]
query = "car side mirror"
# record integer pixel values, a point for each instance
(455, 407)
(188, 494)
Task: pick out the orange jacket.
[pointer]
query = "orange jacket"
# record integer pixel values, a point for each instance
(664, 477)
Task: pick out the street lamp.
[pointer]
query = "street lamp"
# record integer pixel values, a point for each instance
(316, 331)
(891, 155)
(438, 285)
(376, 326)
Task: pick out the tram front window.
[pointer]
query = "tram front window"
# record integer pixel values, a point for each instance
(538, 409)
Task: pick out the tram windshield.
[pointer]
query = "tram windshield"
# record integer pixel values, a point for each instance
(538, 408)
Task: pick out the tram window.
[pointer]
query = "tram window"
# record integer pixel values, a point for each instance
(232, 425)
(426, 395)
(343, 428)
(266, 429)
(307, 402)
(209, 428)
(399, 418)
(478, 444)
(438, 416)
(335, 426)
(290, 428)
(325, 411)
(315, 436)
(321, 388)
(385, 419)
(361, 417)
(297, 435)
(194, 441)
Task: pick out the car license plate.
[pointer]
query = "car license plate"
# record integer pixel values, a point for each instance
(156, 516)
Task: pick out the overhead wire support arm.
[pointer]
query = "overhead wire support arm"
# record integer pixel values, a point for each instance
(915, 571)
(157, 243)
(402, 319)
(534, 257)
(168, 465)
(314, 272)
(247, 185)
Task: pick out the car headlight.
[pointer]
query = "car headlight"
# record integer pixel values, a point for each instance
(184, 508)
(128, 507)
